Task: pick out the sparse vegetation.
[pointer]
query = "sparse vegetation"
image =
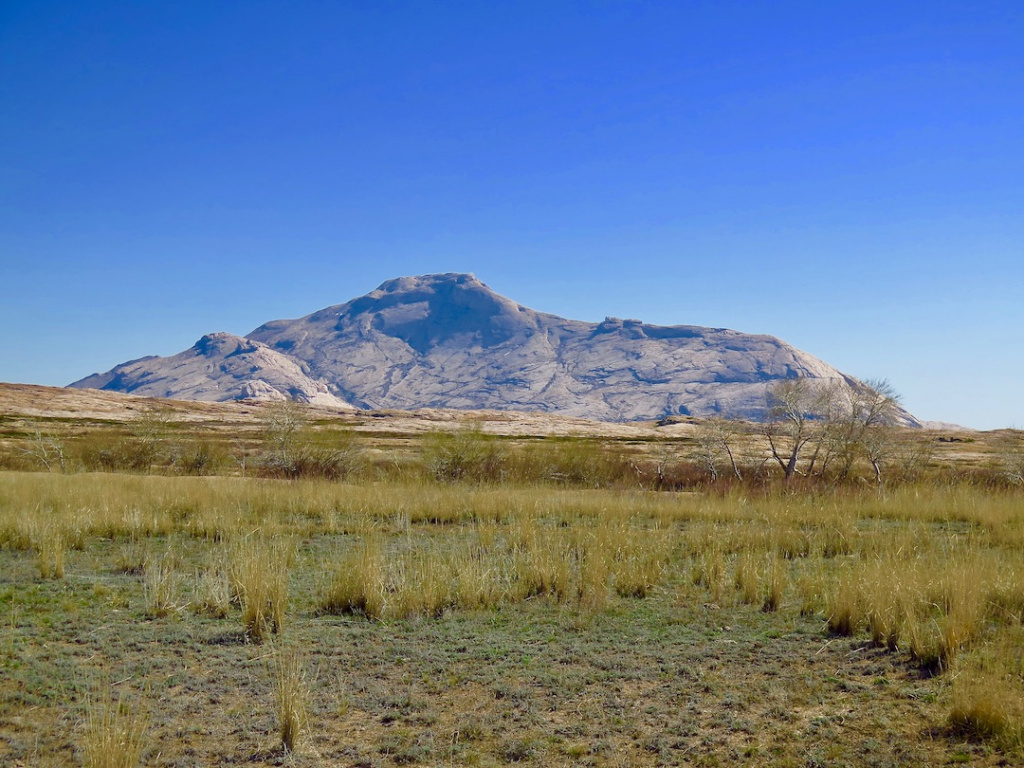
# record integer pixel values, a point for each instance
(469, 599)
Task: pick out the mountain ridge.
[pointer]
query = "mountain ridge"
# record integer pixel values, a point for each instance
(449, 341)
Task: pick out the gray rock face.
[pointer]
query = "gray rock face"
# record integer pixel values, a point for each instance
(448, 341)
(220, 367)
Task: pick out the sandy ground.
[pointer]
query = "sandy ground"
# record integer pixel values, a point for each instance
(29, 403)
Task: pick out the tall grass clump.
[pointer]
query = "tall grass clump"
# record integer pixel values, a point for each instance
(212, 590)
(844, 607)
(988, 692)
(596, 563)
(709, 570)
(748, 578)
(161, 587)
(133, 557)
(50, 544)
(115, 730)
(419, 578)
(259, 576)
(542, 561)
(889, 603)
(357, 585)
(949, 618)
(775, 582)
(640, 560)
(291, 695)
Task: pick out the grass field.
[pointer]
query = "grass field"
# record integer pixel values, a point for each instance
(181, 621)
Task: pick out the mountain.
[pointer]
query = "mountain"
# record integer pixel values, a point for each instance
(449, 341)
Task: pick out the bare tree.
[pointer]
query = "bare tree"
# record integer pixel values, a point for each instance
(865, 424)
(797, 412)
(715, 445)
(148, 441)
(910, 455)
(664, 456)
(48, 450)
(841, 422)
(875, 411)
(283, 422)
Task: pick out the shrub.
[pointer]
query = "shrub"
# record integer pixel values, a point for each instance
(199, 458)
(332, 457)
(575, 462)
(465, 455)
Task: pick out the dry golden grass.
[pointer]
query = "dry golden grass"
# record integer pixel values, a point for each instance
(259, 576)
(162, 587)
(115, 730)
(212, 588)
(988, 692)
(48, 541)
(931, 576)
(291, 695)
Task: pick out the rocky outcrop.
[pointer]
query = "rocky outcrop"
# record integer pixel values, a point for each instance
(220, 367)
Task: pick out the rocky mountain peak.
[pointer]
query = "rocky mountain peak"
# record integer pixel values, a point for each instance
(432, 310)
(449, 341)
(221, 343)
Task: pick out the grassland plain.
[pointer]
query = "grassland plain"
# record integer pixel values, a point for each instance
(235, 620)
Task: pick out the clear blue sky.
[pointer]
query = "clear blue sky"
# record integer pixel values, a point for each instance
(846, 176)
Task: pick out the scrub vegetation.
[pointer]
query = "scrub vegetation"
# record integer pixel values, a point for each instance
(332, 597)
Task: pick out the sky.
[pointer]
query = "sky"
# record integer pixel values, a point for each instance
(846, 176)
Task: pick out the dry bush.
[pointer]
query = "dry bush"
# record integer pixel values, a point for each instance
(465, 455)
(575, 462)
(115, 452)
(199, 458)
